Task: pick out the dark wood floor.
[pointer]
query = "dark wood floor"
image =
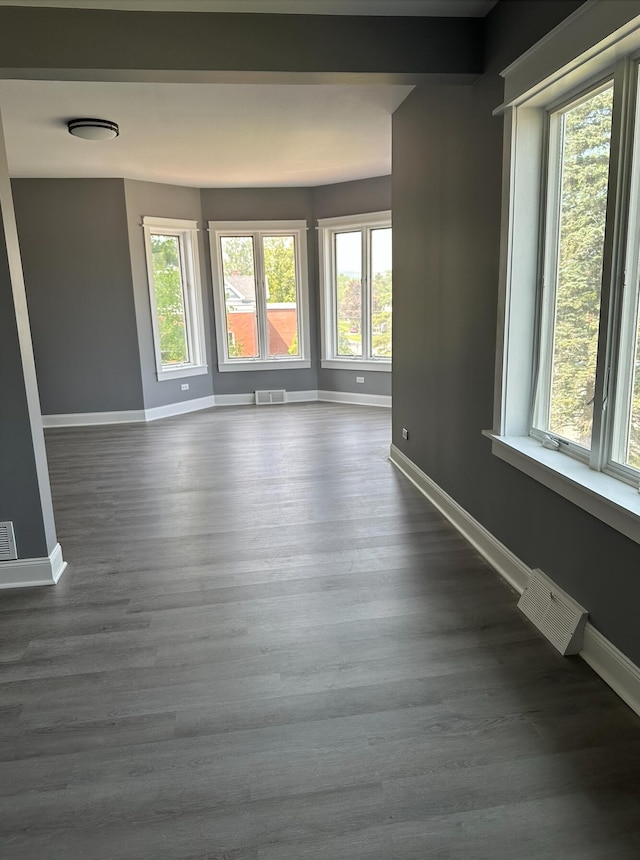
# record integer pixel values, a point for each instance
(268, 646)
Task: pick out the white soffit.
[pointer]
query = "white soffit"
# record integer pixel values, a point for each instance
(432, 8)
(203, 135)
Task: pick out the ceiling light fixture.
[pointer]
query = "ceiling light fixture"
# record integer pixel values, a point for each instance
(93, 129)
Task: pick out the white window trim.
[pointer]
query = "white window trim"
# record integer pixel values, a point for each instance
(605, 32)
(188, 231)
(271, 228)
(327, 228)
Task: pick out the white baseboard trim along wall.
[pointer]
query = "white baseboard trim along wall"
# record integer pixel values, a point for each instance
(33, 571)
(181, 408)
(605, 659)
(85, 419)
(355, 399)
(136, 416)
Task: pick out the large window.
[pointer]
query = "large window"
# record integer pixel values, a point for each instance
(577, 184)
(568, 379)
(260, 294)
(356, 283)
(174, 292)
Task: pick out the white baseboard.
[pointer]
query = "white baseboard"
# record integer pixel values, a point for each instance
(302, 396)
(25, 572)
(355, 398)
(614, 667)
(85, 419)
(134, 416)
(181, 408)
(249, 398)
(502, 559)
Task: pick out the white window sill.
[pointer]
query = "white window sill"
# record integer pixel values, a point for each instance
(182, 372)
(256, 364)
(615, 503)
(356, 364)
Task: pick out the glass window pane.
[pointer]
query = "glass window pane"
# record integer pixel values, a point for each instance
(169, 298)
(349, 293)
(381, 292)
(281, 295)
(584, 165)
(240, 296)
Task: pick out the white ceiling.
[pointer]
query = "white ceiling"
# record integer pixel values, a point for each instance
(214, 135)
(436, 8)
(202, 135)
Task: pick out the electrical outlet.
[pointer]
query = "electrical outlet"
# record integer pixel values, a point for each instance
(405, 433)
(184, 386)
(359, 378)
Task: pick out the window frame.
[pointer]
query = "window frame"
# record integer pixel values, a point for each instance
(328, 229)
(187, 234)
(257, 230)
(551, 177)
(536, 87)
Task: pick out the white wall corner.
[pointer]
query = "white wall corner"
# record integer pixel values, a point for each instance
(614, 667)
(29, 572)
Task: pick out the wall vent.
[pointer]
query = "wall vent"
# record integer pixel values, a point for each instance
(554, 613)
(7, 542)
(278, 395)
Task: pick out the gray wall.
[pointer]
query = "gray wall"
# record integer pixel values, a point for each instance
(19, 489)
(75, 252)
(163, 201)
(446, 210)
(318, 45)
(334, 201)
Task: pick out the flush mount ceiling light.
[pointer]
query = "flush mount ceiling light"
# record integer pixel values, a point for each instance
(93, 129)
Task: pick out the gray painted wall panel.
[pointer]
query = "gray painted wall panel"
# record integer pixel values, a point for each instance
(19, 489)
(375, 382)
(446, 244)
(95, 39)
(352, 198)
(74, 245)
(164, 201)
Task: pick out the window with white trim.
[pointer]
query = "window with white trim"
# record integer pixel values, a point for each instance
(356, 281)
(568, 377)
(260, 292)
(175, 297)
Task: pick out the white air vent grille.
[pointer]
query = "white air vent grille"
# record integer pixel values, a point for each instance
(7, 542)
(554, 613)
(278, 395)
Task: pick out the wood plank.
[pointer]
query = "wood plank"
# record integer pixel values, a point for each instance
(269, 645)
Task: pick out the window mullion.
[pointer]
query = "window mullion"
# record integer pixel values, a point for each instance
(334, 294)
(365, 325)
(186, 297)
(261, 296)
(613, 274)
(552, 180)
